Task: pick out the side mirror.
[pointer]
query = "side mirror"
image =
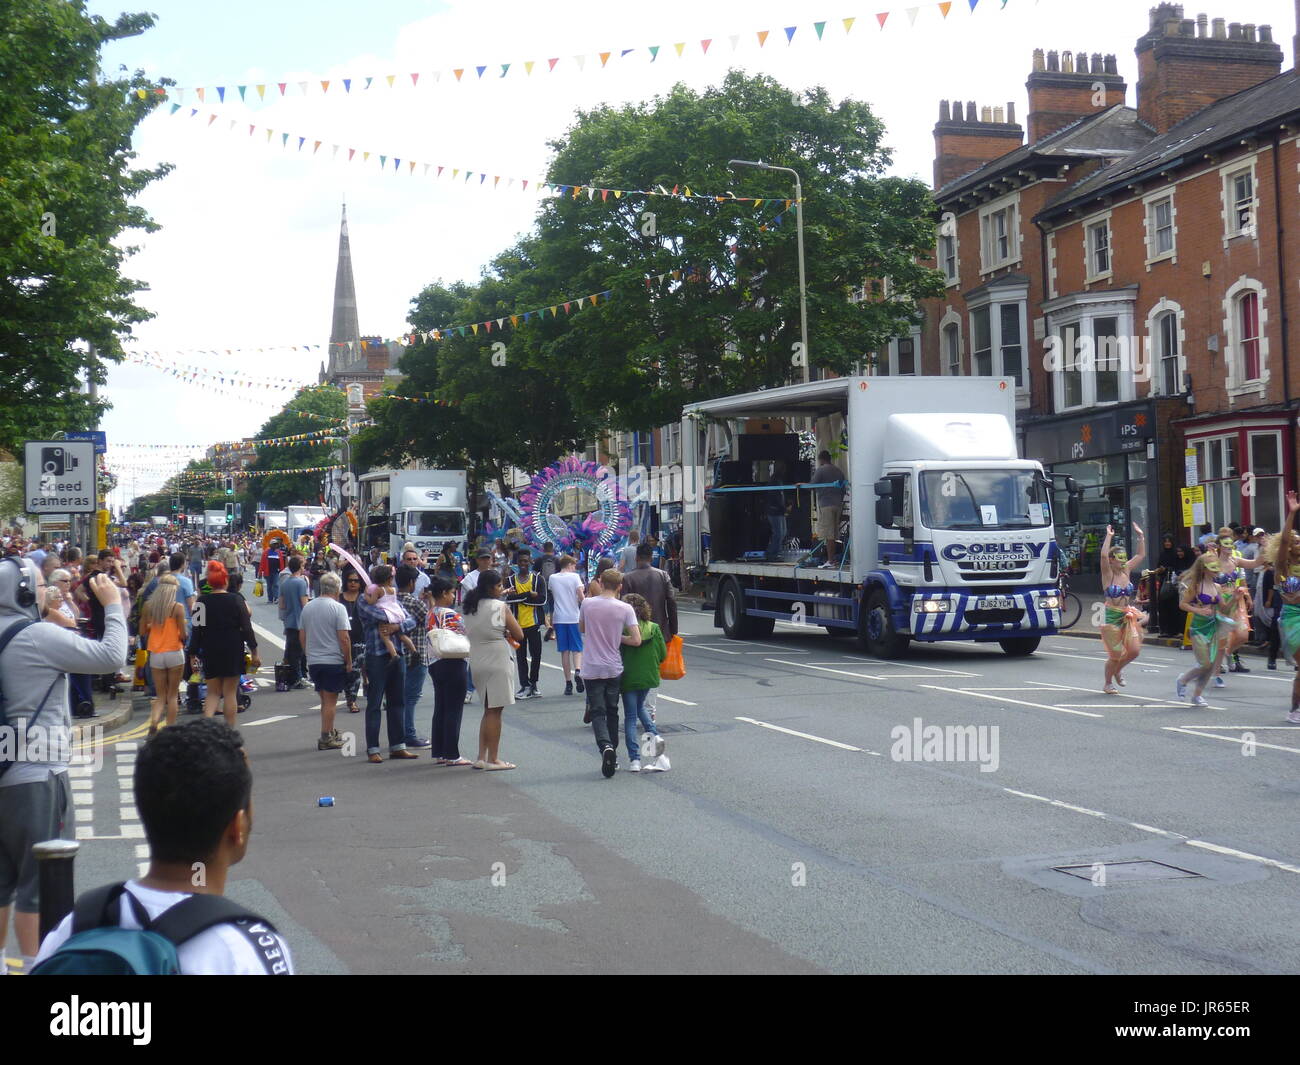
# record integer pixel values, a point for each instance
(1072, 508)
(884, 503)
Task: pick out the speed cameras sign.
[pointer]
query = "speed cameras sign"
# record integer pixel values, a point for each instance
(59, 477)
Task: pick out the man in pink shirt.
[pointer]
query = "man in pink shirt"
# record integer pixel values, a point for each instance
(606, 623)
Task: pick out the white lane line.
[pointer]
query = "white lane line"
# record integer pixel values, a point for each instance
(719, 650)
(124, 746)
(1249, 728)
(807, 736)
(1236, 740)
(268, 720)
(127, 813)
(269, 636)
(1233, 853)
(666, 698)
(84, 815)
(142, 850)
(83, 798)
(787, 650)
(1060, 654)
(863, 676)
(1017, 702)
(913, 665)
(1157, 831)
(82, 785)
(142, 868)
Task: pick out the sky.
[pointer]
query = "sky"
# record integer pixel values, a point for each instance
(246, 255)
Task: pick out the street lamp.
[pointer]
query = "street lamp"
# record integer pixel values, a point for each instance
(736, 164)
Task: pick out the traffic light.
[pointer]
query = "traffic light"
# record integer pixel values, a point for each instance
(175, 507)
(230, 513)
(230, 486)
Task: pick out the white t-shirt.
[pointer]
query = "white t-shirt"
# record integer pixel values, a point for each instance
(222, 950)
(565, 588)
(470, 581)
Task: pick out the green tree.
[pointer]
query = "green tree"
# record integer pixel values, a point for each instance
(66, 190)
(730, 321)
(287, 489)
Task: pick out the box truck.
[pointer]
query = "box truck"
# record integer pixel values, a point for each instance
(300, 520)
(950, 534)
(426, 508)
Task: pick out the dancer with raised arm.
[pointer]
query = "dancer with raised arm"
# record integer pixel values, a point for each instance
(1284, 552)
(1121, 630)
(1211, 617)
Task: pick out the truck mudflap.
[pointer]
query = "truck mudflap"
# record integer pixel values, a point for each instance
(947, 615)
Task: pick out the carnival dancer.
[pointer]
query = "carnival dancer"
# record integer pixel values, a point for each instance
(1121, 630)
(1211, 616)
(1232, 563)
(1284, 550)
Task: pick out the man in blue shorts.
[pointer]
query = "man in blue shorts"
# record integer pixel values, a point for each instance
(325, 633)
(566, 595)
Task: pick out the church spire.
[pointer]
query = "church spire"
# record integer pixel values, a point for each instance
(345, 330)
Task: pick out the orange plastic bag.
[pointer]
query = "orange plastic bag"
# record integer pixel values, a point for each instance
(674, 666)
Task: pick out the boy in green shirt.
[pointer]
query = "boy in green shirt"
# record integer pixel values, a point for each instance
(640, 674)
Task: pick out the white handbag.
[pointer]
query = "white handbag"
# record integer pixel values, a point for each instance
(448, 643)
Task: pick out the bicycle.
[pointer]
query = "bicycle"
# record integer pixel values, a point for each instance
(1071, 604)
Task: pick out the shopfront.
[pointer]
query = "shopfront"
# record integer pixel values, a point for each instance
(1111, 454)
(1243, 462)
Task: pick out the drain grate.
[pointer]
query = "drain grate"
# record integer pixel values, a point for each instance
(1135, 872)
(676, 728)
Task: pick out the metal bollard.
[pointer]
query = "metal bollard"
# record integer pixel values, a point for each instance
(55, 860)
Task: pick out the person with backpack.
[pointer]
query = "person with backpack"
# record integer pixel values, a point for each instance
(35, 794)
(193, 790)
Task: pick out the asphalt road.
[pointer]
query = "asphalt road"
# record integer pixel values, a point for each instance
(797, 830)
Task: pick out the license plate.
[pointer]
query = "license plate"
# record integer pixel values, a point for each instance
(997, 603)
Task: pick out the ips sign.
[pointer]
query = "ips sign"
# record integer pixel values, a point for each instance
(59, 477)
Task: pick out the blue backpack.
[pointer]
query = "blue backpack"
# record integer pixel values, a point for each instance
(99, 947)
(8, 763)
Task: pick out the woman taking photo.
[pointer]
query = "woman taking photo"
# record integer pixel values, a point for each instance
(1121, 631)
(352, 588)
(489, 625)
(448, 676)
(162, 626)
(222, 628)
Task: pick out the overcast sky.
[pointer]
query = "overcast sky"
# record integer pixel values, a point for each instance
(246, 254)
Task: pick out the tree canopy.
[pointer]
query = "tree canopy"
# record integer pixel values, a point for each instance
(66, 190)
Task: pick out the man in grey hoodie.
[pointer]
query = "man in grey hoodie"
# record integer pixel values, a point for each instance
(35, 797)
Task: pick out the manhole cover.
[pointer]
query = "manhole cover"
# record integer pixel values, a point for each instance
(676, 728)
(1127, 872)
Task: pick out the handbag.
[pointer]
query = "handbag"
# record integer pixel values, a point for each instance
(258, 587)
(674, 666)
(447, 643)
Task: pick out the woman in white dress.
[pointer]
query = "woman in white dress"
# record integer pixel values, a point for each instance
(493, 634)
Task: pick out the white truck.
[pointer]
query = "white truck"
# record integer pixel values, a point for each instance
(300, 520)
(214, 522)
(950, 533)
(426, 508)
(272, 519)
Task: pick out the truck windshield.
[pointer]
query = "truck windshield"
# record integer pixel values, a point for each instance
(984, 499)
(435, 523)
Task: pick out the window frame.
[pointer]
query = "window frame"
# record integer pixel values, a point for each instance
(1078, 313)
(1098, 224)
(1163, 309)
(993, 301)
(1235, 380)
(1151, 204)
(951, 277)
(1232, 227)
(1010, 206)
(951, 321)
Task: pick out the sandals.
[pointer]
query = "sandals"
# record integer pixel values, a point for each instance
(455, 762)
(492, 767)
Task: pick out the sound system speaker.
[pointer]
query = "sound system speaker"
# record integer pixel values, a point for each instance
(735, 473)
(760, 447)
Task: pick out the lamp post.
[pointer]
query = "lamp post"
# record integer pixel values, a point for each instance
(736, 164)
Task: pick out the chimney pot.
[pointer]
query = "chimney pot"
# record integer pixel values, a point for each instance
(1067, 62)
(1011, 113)
(1202, 25)
(1220, 32)
(986, 114)
(1081, 62)
(1097, 67)
(1040, 61)
(1249, 30)
(1187, 28)
(1112, 65)
(1172, 26)
(1234, 31)
(945, 111)
(1266, 35)
(999, 116)
(972, 115)
(1053, 60)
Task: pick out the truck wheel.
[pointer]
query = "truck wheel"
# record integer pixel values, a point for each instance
(1020, 646)
(736, 624)
(876, 630)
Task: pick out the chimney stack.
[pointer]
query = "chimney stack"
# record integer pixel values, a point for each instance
(964, 140)
(1066, 89)
(1182, 71)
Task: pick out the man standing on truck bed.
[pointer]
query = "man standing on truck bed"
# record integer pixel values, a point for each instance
(830, 505)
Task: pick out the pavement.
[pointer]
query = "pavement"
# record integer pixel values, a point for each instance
(812, 821)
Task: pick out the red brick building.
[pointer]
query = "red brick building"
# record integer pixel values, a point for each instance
(1131, 269)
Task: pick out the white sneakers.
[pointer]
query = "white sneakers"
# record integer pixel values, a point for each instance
(1293, 718)
(635, 767)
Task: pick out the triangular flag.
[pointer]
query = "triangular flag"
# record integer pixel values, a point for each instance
(551, 63)
(475, 328)
(390, 78)
(679, 48)
(604, 57)
(455, 171)
(261, 91)
(881, 16)
(819, 27)
(581, 60)
(302, 87)
(734, 39)
(177, 107)
(496, 180)
(200, 93)
(351, 153)
(789, 33)
(626, 52)
(480, 70)
(944, 7)
(282, 84)
(593, 297)
(762, 37)
(415, 79)
(335, 153)
(347, 84)
(973, 3)
(397, 163)
(324, 86)
(704, 45)
(383, 161)
(458, 72)
(505, 69)
(411, 167)
(524, 188)
(268, 135)
(365, 157)
(911, 15)
(514, 319)
(848, 24)
(368, 81)
(439, 174)
(528, 66)
(284, 140)
(211, 119)
(316, 149)
(654, 52)
(221, 93)
(241, 92)
(301, 142)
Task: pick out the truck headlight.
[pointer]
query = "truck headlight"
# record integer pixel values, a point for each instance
(1050, 602)
(933, 606)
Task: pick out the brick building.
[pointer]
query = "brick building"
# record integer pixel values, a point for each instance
(1129, 268)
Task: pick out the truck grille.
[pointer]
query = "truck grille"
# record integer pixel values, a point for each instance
(995, 617)
(971, 576)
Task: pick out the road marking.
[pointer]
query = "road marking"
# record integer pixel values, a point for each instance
(913, 665)
(83, 798)
(864, 676)
(1231, 852)
(706, 647)
(667, 698)
(807, 736)
(142, 850)
(1017, 702)
(82, 785)
(1236, 740)
(269, 636)
(269, 720)
(1061, 654)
